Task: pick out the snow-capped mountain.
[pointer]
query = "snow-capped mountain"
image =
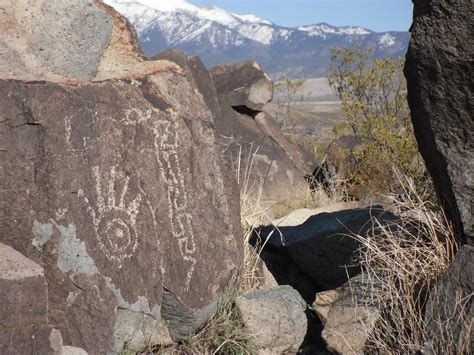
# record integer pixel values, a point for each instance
(221, 37)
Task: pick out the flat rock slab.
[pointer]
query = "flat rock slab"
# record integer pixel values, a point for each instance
(323, 246)
(298, 217)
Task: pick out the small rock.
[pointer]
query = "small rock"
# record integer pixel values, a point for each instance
(276, 317)
(348, 322)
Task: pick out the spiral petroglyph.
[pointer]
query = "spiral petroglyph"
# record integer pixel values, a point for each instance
(115, 213)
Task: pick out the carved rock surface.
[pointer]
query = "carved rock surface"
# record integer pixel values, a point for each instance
(242, 128)
(440, 73)
(109, 173)
(276, 317)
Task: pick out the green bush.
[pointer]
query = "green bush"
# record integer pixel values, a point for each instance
(374, 100)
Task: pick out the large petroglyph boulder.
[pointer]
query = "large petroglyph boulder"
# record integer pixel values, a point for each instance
(439, 71)
(109, 173)
(246, 135)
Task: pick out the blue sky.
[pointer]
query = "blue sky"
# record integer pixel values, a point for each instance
(377, 15)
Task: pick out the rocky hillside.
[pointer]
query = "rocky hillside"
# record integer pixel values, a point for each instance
(220, 37)
(138, 200)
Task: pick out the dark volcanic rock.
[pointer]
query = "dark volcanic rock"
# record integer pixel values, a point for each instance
(243, 85)
(440, 74)
(236, 95)
(450, 309)
(198, 75)
(23, 305)
(247, 133)
(270, 126)
(109, 176)
(323, 246)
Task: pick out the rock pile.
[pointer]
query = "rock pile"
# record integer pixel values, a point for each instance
(246, 129)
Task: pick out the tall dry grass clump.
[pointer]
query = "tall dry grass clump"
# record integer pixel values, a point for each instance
(402, 262)
(253, 214)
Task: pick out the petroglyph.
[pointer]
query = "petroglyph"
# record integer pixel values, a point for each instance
(115, 213)
(134, 116)
(166, 150)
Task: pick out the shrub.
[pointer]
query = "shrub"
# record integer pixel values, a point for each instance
(374, 100)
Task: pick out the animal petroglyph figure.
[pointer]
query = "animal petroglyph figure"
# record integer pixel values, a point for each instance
(166, 148)
(115, 213)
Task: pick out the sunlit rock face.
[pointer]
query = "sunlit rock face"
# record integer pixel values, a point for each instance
(109, 174)
(439, 70)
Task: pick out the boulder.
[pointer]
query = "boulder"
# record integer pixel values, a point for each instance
(439, 71)
(243, 85)
(252, 140)
(270, 126)
(298, 217)
(323, 246)
(256, 144)
(348, 320)
(449, 312)
(110, 176)
(56, 341)
(197, 74)
(23, 305)
(276, 317)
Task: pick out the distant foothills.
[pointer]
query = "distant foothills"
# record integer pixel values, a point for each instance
(221, 37)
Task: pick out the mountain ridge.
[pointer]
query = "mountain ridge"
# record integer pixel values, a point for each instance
(221, 37)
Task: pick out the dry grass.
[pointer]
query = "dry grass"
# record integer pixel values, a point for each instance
(337, 186)
(253, 214)
(224, 333)
(302, 198)
(449, 331)
(402, 264)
